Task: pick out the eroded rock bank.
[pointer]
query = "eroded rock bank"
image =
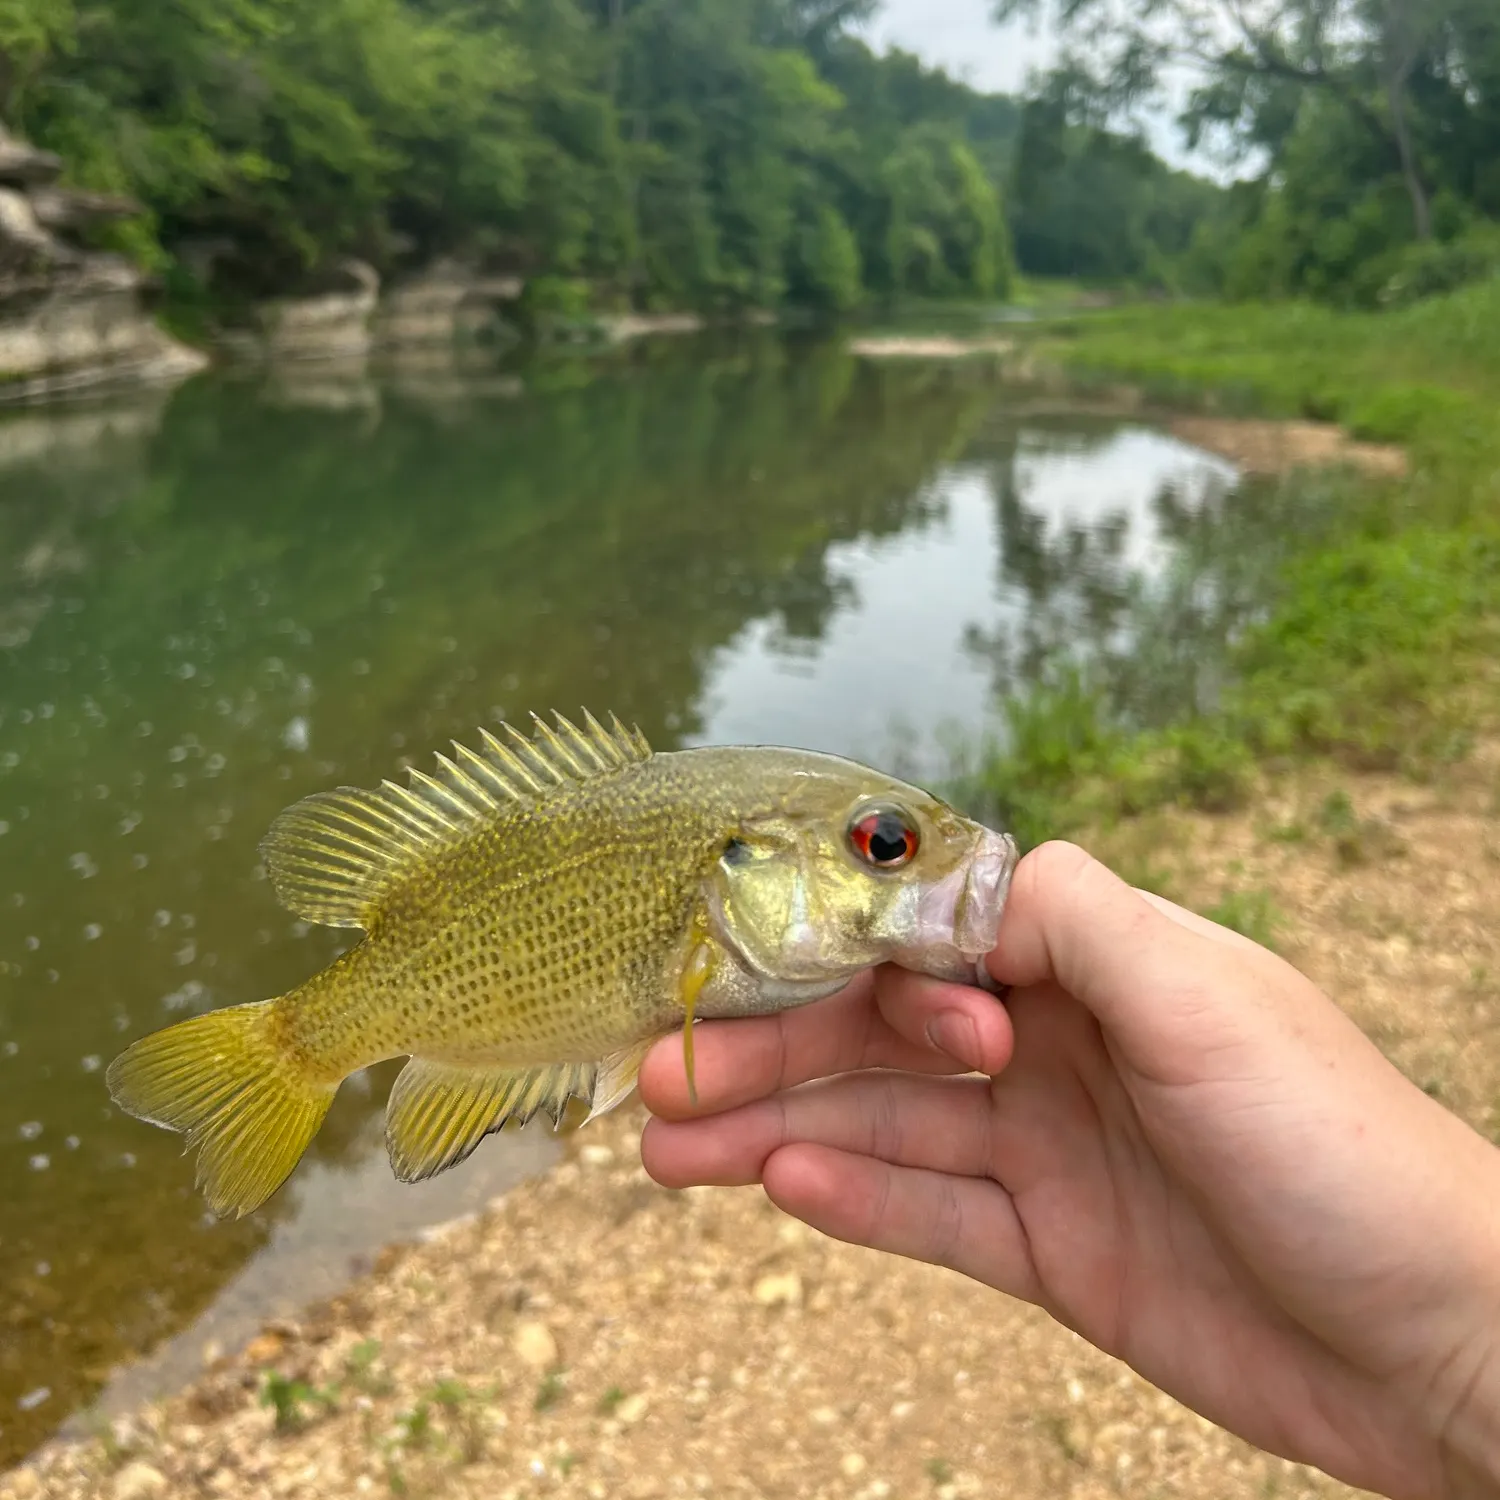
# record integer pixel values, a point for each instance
(77, 319)
(71, 318)
(346, 312)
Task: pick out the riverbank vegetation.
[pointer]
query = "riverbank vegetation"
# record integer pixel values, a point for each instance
(1366, 133)
(1378, 643)
(736, 154)
(722, 155)
(709, 153)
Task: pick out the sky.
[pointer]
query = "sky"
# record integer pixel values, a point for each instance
(959, 37)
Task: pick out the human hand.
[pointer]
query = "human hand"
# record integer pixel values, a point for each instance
(1185, 1152)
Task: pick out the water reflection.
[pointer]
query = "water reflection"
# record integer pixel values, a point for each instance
(209, 610)
(1042, 541)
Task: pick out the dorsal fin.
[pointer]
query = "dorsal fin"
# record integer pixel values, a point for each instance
(334, 855)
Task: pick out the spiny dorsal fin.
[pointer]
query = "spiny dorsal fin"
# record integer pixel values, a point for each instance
(334, 855)
(437, 1113)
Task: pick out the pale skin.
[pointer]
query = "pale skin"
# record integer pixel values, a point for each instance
(1181, 1148)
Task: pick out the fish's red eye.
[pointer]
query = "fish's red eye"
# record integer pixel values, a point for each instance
(883, 837)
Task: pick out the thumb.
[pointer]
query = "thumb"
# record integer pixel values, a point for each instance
(1164, 983)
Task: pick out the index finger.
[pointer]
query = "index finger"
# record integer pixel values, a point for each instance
(885, 1018)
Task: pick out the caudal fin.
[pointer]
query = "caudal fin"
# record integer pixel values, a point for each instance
(222, 1080)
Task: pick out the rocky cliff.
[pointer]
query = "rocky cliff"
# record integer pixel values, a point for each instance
(71, 318)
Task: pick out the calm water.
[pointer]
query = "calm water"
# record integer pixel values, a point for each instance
(213, 605)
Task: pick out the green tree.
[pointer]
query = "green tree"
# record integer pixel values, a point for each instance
(1377, 122)
(946, 233)
(828, 272)
(712, 153)
(1090, 202)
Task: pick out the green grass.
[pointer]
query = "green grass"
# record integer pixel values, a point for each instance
(550, 1391)
(363, 1371)
(294, 1401)
(1383, 618)
(1251, 912)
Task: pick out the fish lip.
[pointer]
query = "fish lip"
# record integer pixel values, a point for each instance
(958, 918)
(981, 904)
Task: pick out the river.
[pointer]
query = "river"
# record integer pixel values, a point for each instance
(215, 602)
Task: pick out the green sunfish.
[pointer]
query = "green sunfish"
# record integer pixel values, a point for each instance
(537, 914)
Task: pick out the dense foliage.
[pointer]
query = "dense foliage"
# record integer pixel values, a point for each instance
(700, 152)
(1370, 129)
(1087, 201)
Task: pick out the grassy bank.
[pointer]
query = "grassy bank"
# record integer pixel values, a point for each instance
(1377, 643)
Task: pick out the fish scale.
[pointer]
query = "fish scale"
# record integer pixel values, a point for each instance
(536, 915)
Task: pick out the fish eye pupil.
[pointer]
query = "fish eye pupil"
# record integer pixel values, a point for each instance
(883, 837)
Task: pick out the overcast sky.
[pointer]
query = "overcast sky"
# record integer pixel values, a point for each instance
(958, 35)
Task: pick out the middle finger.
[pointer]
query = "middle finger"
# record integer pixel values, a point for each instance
(885, 1018)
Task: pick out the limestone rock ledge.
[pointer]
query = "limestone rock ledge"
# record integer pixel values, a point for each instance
(71, 319)
(343, 313)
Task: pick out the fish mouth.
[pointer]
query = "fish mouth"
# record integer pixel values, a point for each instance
(958, 918)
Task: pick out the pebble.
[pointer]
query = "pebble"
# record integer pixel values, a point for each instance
(631, 1410)
(138, 1481)
(263, 1348)
(534, 1345)
(596, 1156)
(852, 1465)
(778, 1291)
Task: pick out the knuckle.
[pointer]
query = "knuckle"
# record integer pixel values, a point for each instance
(945, 1232)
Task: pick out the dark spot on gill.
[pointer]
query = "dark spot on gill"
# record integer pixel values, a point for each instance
(736, 852)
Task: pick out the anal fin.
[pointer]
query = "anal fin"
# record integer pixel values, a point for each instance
(439, 1113)
(615, 1080)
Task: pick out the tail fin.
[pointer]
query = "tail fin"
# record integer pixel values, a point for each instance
(223, 1080)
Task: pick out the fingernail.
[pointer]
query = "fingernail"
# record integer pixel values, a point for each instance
(954, 1033)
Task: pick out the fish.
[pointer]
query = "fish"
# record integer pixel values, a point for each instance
(537, 914)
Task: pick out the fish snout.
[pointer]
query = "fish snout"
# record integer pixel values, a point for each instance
(958, 919)
(976, 918)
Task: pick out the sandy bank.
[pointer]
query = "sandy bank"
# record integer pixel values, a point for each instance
(1259, 447)
(907, 347)
(1269, 447)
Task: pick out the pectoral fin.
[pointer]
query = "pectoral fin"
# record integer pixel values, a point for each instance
(695, 974)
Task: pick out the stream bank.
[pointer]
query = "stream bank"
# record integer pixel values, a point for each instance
(76, 320)
(594, 1335)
